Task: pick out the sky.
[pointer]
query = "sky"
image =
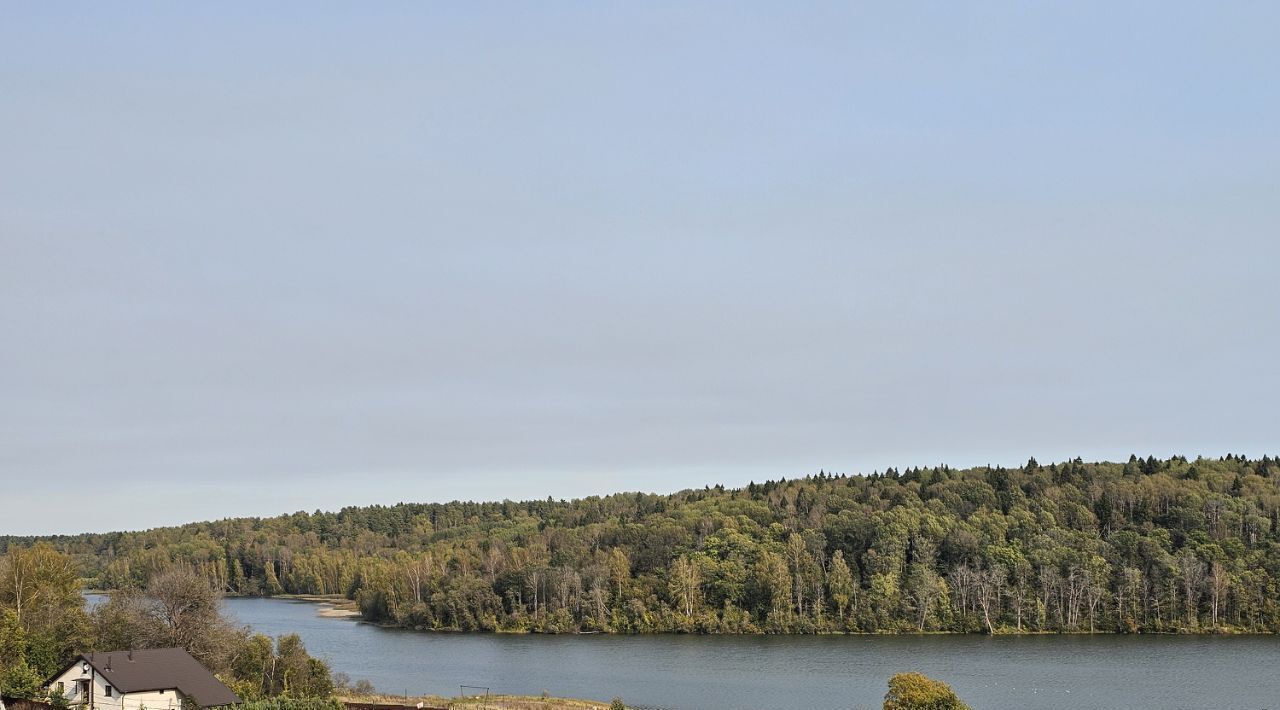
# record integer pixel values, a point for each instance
(264, 258)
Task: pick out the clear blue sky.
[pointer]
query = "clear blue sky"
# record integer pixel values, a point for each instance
(261, 258)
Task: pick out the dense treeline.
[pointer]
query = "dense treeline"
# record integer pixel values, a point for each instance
(1144, 546)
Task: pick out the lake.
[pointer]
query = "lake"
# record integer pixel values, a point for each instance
(795, 672)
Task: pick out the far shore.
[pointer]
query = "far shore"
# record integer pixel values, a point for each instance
(333, 606)
(338, 606)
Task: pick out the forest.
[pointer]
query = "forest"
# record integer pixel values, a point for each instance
(1143, 546)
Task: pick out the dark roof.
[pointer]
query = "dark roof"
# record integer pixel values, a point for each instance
(161, 669)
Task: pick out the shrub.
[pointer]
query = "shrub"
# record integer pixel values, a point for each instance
(916, 691)
(293, 704)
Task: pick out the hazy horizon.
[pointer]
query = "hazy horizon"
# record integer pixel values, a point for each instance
(256, 260)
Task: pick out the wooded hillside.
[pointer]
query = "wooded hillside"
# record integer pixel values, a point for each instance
(1147, 545)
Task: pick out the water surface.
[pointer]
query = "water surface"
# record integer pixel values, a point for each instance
(796, 672)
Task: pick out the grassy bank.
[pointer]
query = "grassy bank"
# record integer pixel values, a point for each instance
(494, 702)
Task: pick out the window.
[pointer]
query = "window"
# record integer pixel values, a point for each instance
(62, 687)
(108, 691)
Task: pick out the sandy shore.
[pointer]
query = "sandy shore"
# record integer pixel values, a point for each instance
(330, 611)
(333, 607)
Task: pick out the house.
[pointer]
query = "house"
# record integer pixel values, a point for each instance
(150, 679)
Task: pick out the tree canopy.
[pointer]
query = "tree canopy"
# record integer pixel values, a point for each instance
(44, 624)
(1148, 545)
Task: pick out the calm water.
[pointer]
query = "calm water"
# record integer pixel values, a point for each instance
(796, 673)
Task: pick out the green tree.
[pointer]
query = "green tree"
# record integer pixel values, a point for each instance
(236, 581)
(840, 583)
(20, 680)
(925, 589)
(272, 582)
(773, 577)
(298, 674)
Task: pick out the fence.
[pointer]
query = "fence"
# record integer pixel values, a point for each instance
(387, 706)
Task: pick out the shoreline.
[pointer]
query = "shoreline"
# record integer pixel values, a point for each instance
(340, 607)
(332, 606)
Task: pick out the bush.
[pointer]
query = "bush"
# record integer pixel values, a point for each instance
(916, 691)
(21, 681)
(293, 704)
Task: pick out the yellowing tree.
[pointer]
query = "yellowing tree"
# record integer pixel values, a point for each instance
(39, 584)
(685, 584)
(917, 691)
(42, 617)
(840, 583)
